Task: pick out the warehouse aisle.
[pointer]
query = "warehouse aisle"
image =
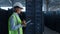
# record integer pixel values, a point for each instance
(49, 31)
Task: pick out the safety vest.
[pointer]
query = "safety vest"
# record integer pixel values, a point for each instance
(16, 19)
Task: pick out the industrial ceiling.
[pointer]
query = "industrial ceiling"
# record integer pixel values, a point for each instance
(5, 3)
(52, 5)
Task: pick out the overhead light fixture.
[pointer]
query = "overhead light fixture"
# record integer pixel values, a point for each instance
(6, 8)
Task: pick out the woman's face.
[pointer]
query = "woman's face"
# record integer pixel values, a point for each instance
(18, 10)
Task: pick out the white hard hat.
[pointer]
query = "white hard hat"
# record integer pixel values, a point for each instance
(18, 4)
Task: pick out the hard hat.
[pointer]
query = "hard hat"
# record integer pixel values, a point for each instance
(18, 4)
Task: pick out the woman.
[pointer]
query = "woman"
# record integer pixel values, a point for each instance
(15, 23)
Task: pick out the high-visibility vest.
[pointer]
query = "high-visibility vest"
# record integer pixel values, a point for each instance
(16, 19)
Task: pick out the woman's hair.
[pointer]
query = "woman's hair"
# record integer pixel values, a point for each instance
(15, 8)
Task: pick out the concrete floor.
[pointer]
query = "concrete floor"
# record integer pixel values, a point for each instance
(49, 31)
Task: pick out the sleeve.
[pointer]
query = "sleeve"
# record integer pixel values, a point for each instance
(12, 24)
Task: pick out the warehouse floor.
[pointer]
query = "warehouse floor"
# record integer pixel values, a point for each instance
(49, 31)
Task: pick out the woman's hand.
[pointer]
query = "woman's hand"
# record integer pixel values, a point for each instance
(24, 23)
